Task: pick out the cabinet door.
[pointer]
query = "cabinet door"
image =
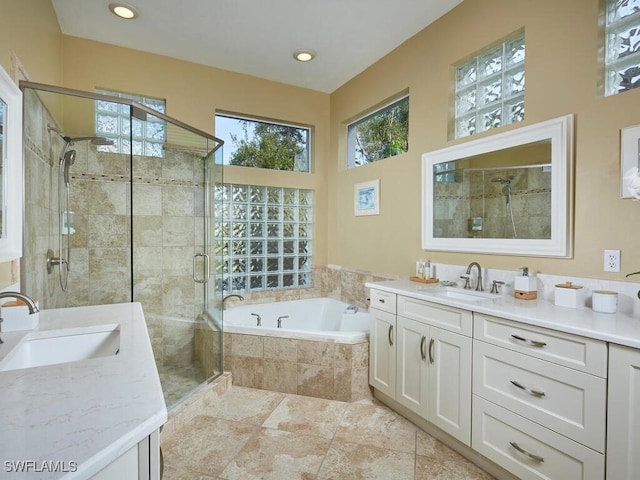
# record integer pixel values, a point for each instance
(623, 422)
(449, 388)
(382, 352)
(411, 388)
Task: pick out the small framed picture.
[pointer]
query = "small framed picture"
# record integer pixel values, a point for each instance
(367, 198)
(630, 162)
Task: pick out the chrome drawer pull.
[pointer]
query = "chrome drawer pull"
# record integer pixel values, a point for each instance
(535, 393)
(431, 343)
(423, 354)
(533, 343)
(537, 458)
(381, 300)
(390, 335)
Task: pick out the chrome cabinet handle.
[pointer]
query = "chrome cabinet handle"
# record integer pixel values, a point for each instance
(533, 343)
(530, 391)
(381, 300)
(537, 458)
(390, 335)
(423, 354)
(431, 343)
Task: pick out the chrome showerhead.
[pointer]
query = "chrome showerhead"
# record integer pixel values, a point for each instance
(503, 181)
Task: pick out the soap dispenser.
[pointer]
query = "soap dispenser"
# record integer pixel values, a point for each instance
(525, 286)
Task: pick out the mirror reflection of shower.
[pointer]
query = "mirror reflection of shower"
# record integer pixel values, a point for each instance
(506, 191)
(65, 216)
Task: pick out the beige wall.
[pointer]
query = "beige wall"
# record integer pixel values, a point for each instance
(562, 75)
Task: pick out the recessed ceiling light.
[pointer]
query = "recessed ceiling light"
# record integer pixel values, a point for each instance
(123, 11)
(304, 55)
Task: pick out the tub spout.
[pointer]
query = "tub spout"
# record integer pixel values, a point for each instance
(224, 299)
(280, 320)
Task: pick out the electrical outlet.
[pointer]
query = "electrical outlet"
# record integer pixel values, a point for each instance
(612, 260)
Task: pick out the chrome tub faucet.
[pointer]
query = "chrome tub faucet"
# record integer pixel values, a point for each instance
(224, 299)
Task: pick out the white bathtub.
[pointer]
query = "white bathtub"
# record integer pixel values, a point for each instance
(314, 318)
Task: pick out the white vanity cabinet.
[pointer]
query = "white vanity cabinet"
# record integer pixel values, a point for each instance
(623, 424)
(421, 358)
(140, 462)
(539, 403)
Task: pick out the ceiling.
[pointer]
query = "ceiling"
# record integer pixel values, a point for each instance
(258, 37)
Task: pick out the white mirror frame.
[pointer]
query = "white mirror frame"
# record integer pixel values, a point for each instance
(11, 242)
(560, 132)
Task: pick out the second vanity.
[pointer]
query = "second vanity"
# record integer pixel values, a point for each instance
(524, 389)
(93, 418)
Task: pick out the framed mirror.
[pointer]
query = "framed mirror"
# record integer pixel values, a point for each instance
(10, 169)
(509, 193)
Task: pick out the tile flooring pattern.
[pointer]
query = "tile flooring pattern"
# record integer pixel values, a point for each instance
(179, 380)
(250, 434)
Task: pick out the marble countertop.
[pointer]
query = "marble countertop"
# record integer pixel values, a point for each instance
(619, 328)
(83, 414)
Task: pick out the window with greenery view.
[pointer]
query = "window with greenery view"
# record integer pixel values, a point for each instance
(622, 46)
(489, 89)
(379, 135)
(130, 134)
(264, 235)
(260, 144)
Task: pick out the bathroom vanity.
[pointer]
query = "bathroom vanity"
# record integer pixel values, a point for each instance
(532, 387)
(93, 405)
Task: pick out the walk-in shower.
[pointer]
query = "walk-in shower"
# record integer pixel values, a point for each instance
(508, 207)
(65, 223)
(109, 221)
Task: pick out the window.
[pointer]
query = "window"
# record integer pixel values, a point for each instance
(489, 89)
(264, 235)
(261, 144)
(622, 46)
(130, 134)
(380, 135)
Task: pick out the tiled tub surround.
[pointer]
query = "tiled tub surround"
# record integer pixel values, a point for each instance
(322, 369)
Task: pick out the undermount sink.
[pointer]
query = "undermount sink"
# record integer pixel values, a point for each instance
(63, 346)
(459, 294)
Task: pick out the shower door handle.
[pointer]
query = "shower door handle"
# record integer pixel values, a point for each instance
(205, 258)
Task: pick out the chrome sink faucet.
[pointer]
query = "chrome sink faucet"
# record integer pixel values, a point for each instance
(31, 305)
(479, 287)
(224, 299)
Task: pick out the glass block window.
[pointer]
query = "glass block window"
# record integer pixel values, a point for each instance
(379, 135)
(264, 235)
(130, 134)
(259, 144)
(622, 46)
(489, 89)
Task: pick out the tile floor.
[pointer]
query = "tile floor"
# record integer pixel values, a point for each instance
(248, 434)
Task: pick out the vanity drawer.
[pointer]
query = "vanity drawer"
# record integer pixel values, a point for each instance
(384, 301)
(569, 402)
(580, 353)
(449, 318)
(499, 433)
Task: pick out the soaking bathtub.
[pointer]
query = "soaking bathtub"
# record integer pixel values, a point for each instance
(313, 318)
(319, 351)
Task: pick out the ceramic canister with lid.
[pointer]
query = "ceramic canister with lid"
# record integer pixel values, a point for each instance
(604, 301)
(569, 295)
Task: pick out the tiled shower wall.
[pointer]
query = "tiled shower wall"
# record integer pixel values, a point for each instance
(455, 203)
(168, 228)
